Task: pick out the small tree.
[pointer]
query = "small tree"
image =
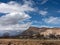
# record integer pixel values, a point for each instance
(40, 36)
(52, 36)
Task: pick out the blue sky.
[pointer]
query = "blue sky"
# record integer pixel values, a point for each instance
(38, 13)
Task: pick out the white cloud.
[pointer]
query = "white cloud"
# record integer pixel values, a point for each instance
(14, 13)
(58, 11)
(37, 22)
(46, 26)
(52, 20)
(13, 18)
(29, 2)
(14, 7)
(44, 1)
(43, 12)
(15, 27)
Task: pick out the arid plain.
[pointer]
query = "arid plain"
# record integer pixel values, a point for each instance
(28, 42)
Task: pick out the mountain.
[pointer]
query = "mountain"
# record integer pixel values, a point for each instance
(33, 32)
(42, 31)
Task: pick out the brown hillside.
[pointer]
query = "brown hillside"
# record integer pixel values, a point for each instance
(43, 30)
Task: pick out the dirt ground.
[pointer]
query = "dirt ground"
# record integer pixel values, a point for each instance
(28, 42)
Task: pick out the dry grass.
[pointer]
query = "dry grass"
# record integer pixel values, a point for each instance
(28, 42)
